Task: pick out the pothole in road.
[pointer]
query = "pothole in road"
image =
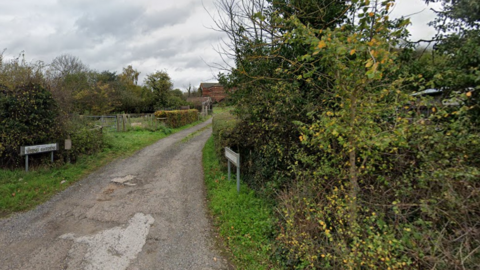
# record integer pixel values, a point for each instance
(107, 193)
(117, 183)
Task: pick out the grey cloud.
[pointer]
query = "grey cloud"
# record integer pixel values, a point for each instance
(173, 49)
(196, 63)
(55, 43)
(167, 17)
(111, 34)
(128, 20)
(114, 21)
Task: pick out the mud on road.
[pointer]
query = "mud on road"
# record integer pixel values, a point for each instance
(144, 212)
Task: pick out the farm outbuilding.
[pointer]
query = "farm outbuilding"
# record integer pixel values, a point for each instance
(215, 91)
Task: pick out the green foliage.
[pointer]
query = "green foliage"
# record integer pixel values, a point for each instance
(86, 140)
(30, 113)
(317, 232)
(160, 84)
(458, 42)
(365, 181)
(270, 92)
(178, 118)
(18, 72)
(96, 99)
(224, 125)
(28, 116)
(80, 90)
(132, 97)
(245, 221)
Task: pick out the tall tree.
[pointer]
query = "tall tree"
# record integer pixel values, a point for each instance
(160, 84)
(130, 75)
(67, 64)
(268, 98)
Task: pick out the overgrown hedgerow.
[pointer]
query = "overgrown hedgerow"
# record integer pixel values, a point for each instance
(178, 118)
(370, 184)
(28, 116)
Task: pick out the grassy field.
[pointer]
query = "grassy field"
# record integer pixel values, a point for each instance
(222, 109)
(244, 221)
(20, 191)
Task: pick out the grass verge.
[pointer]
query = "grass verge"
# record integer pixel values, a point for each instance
(244, 221)
(20, 191)
(196, 133)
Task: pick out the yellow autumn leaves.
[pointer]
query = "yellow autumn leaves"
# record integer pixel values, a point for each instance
(322, 44)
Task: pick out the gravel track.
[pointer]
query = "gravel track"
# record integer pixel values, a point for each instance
(154, 218)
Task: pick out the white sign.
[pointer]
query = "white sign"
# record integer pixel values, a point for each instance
(68, 144)
(35, 149)
(232, 156)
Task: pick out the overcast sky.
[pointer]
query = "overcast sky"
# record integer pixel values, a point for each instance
(150, 35)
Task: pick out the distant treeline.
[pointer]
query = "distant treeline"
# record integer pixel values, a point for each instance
(80, 90)
(38, 100)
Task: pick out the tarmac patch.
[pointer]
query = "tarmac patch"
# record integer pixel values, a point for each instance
(113, 248)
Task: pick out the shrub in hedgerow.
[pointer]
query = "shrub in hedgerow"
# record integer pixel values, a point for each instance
(178, 118)
(85, 139)
(224, 125)
(28, 116)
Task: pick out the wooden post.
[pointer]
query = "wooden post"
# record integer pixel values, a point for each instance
(119, 127)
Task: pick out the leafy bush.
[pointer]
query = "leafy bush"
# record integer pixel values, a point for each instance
(369, 185)
(86, 139)
(178, 118)
(28, 116)
(223, 130)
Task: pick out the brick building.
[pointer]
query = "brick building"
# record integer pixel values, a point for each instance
(213, 90)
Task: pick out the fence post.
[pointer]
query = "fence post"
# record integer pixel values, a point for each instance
(124, 122)
(118, 122)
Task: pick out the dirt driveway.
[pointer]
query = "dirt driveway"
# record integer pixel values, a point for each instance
(153, 217)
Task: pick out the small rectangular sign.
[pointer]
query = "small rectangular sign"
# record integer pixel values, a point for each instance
(232, 156)
(35, 149)
(68, 144)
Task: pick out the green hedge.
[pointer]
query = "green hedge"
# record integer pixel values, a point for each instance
(175, 119)
(28, 116)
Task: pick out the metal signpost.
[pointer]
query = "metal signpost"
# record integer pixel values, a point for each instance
(36, 149)
(235, 159)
